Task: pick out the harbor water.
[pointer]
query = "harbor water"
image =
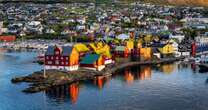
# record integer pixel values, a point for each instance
(176, 86)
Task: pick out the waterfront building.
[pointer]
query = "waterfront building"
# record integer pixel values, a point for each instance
(121, 51)
(62, 58)
(93, 61)
(156, 52)
(1, 26)
(81, 48)
(184, 47)
(7, 38)
(166, 49)
(145, 53)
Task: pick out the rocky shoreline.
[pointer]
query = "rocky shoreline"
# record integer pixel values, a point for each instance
(57, 78)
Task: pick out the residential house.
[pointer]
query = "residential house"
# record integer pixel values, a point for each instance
(93, 61)
(184, 47)
(62, 58)
(1, 26)
(166, 50)
(179, 37)
(7, 38)
(34, 27)
(121, 51)
(145, 53)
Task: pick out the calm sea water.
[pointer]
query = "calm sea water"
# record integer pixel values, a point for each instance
(162, 87)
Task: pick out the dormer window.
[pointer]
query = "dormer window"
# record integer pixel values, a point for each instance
(57, 52)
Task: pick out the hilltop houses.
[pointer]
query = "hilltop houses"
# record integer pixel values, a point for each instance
(62, 58)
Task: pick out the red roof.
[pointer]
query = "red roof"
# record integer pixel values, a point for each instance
(7, 38)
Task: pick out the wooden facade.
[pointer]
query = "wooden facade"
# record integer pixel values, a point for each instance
(93, 61)
(66, 58)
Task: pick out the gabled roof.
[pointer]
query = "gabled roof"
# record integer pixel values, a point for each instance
(50, 50)
(159, 45)
(66, 50)
(90, 59)
(155, 50)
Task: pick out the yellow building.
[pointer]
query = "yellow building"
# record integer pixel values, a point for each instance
(146, 53)
(166, 49)
(130, 44)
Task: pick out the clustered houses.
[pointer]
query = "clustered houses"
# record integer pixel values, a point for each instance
(140, 30)
(69, 58)
(81, 19)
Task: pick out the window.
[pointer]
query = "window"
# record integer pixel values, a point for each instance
(67, 58)
(57, 62)
(52, 57)
(49, 62)
(62, 58)
(62, 63)
(67, 63)
(57, 52)
(57, 58)
(47, 57)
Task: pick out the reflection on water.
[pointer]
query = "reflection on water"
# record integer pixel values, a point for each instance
(74, 92)
(167, 68)
(64, 93)
(177, 86)
(100, 81)
(127, 75)
(134, 73)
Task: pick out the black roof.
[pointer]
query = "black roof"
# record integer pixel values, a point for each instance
(155, 50)
(66, 50)
(50, 50)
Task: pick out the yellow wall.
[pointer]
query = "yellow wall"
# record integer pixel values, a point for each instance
(146, 53)
(130, 44)
(74, 57)
(167, 49)
(99, 62)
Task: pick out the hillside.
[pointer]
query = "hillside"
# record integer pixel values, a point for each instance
(173, 2)
(179, 2)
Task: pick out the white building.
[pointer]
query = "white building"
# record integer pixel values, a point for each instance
(1, 27)
(177, 36)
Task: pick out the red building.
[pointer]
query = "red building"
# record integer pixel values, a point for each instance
(121, 51)
(7, 38)
(62, 58)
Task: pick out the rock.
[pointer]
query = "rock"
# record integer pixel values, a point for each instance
(57, 78)
(17, 80)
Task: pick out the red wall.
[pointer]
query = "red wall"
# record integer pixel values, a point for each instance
(193, 49)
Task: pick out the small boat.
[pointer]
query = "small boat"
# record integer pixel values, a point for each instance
(203, 68)
(198, 60)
